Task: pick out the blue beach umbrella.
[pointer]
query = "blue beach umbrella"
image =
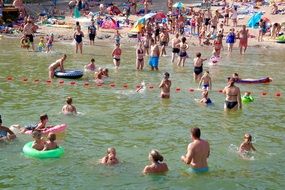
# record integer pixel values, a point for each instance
(178, 5)
(149, 15)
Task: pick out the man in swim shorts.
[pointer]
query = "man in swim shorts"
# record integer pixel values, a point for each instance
(57, 64)
(175, 50)
(197, 153)
(28, 31)
(165, 86)
(154, 55)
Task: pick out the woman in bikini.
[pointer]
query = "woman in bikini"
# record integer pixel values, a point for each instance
(140, 57)
(183, 46)
(233, 98)
(116, 54)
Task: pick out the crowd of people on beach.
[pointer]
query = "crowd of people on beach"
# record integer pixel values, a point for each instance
(207, 26)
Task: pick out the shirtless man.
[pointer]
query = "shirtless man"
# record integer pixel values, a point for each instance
(28, 31)
(243, 38)
(165, 86)
(68, 108)
(198, 67)
(154, 55)
(233, 98)
(164, 39)
(57, 64)
(183, 47)
(116, 54)
(197, 153)
(175, 41)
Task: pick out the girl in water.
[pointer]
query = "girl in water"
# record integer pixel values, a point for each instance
(157, 165)
(233, 98)
(117, 37)
(231, 39)
(116, 54)
(246, 145)
(205, 99)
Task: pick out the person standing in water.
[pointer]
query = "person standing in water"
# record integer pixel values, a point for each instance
(140, 57)
(110, 158)
(206, 81)
(57, 64)
(157, 165)
(28, 31)
(233, 98)
(92, 32)
(197, 153)
(165, 86)
(116, 54)
(154, 55)
(243, 39)
(175, 50)
(183, 46)
(78, 35)
(198, 66)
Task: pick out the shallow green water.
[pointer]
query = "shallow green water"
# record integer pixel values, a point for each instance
(136, 123)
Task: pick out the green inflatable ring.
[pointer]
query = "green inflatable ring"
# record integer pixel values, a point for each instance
(29, 151)
(247, 99)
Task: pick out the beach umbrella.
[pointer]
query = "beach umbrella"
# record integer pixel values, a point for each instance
(160, 16)
(140, 21)
(149, 15)
(178, 5)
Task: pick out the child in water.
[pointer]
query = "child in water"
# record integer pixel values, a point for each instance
(49, 42)
(206, 81)
(205, 99)
(50, 144)
(38, 143)
(68, 108)
(91, 66)
(110, 158)
(40, 126)
(41, 45)
(246, 145)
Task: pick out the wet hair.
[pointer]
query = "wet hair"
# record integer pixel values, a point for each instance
(196, 132)
(36, 134)
(77, 23)
(156, 156)
(64, 56)
(248, 137)
(0, 119)
(183, 39)
(92, 60)
(198, 54)
(43, 117)
(111, 150)
(106, 70)
(51, 137)
(235, 74)
(69, 100)
(166, 74)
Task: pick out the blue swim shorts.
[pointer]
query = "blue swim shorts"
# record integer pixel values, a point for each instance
(198, 170)
(153, 61)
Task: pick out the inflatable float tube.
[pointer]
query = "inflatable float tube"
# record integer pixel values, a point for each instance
(55, 129)
(247, 99)
(29, 151)
(215, 59)
(132, 35)
(255, 81)
(73, 74)
(281, 41)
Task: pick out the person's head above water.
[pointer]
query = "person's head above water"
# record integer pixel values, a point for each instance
(155, 156)
(195, 133)
(166, 75)
(69, 100)
(247, 137)
(37, 135)
(231, 81)
(43, 117)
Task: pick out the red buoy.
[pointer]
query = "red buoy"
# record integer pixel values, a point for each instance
(263, 93)
(278, 94)
(112, 85)
(72, 83)
(61, 81)
(191, 90)
(177, 89)
(9, 78)
(125, 85)
(24, 79)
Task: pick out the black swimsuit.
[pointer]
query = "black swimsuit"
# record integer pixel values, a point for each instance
(78, 38)
(198, 70)
(230, 105)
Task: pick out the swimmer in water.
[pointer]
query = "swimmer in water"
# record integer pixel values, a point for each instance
(165, 86)
(157, 165)
(110, 158)
(50, 144)
(205, 99)
(5, 133)
(38, 143)
(206, 81)
(246, 145)
(68, 108)
(91, 66)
